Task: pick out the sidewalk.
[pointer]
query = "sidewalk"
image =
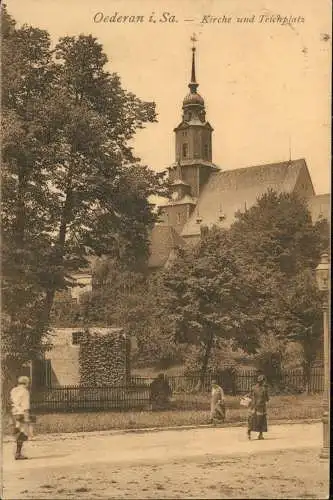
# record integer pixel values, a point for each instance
(141, 430)
(160, 447)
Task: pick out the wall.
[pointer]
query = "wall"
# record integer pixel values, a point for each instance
(64, 358)
(176, 215)
(190, 175)
(204, 175)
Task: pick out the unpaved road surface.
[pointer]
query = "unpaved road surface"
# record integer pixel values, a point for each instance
(196, 463)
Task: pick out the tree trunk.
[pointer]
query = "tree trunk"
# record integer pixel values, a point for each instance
(203, 371)
(65, 217)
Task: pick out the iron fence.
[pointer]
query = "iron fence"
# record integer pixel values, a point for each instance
(136, 394)
(296, 379)
(241, 381)
(82, 398)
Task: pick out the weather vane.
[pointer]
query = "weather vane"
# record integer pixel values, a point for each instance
(193, 40)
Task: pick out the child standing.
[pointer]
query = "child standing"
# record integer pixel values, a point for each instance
(250, 414)
(20, 401)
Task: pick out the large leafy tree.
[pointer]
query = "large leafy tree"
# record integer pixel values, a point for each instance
(277, 234)
(278, 239)
(303, 307)
(135, 300)
(102, 192)
(248, 284)
(71, 184)
(26, 221)
(208, 299)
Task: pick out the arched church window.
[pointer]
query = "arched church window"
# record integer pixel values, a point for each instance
(185, 150)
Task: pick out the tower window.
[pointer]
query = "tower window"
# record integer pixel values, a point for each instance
(185, 150)
(178, 217)
(206, 151)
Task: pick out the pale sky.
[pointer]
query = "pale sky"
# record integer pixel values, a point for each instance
(266, 86)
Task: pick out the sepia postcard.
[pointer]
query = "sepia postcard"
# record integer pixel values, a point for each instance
(166, 204)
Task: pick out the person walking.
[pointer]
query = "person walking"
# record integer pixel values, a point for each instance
(217, 405)
(257, 416)
(20, 409)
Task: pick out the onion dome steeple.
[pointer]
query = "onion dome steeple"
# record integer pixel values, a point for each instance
(193, 151)
(193, 102)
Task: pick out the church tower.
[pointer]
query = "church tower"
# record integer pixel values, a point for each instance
(193, 139)
(193, 156)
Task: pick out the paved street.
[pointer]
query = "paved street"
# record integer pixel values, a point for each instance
(51, 459)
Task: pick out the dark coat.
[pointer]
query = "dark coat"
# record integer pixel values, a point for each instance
(260, 397)
(258, 419)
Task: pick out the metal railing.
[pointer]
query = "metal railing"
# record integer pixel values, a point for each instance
(136, 394)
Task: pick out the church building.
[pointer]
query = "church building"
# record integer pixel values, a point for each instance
(204, 194)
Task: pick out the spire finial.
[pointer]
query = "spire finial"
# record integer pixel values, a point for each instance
(193, 85)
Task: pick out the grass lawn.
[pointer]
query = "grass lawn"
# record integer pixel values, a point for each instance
(296, 407)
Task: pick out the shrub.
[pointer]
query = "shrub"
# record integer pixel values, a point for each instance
(268, 359)
(103, 358)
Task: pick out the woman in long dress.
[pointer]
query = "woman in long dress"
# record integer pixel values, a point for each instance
(217, 405)
(257, 421)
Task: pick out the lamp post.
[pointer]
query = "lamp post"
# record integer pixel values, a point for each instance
(322, 275)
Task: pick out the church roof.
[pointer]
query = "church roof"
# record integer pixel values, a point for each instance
(163, 240)
(195, 161)
(232, 190)
(320, 206)
(193, 123)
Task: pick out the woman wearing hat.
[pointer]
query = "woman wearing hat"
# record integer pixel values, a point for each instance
(259, 398)
(20, 401)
